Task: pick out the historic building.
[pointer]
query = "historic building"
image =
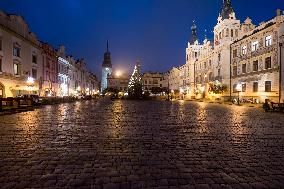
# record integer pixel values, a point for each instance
(153, 80)
(65, 73)
(230, 58)
(21, 60)
(174, 79)
(209, 61)
(256, 61)
(28, 66)
(118, 81)
(50, 71)
(106, 69)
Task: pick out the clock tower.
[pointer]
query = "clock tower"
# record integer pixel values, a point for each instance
(106, 69)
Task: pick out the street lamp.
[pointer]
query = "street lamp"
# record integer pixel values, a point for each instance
(118, 74)
(30, 83)
(239, 89)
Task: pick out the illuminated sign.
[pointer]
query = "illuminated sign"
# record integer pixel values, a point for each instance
(63, 60)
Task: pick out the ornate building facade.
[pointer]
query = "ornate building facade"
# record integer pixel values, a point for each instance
(256, 61)
(221, 60)
(21, 60)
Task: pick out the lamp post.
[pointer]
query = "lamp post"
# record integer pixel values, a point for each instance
(30, 83)
(239, 89)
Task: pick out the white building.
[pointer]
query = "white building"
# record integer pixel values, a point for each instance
(21, 60)
(256, 61)
(209, 62)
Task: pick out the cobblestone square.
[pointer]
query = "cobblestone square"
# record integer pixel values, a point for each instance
(142, 144)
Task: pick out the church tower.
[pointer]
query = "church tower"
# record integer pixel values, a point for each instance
(106, 69)
(228, 27)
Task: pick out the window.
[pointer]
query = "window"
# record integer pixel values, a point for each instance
(268, 41)
(232, 33)
(146, 82)
(210, 63)
(16, 69)
(220, 36)
(195, 54)
(219, 57)
(235, 88)
(205, 65)
(244, 68)
(255, 65)
(0, 64)
(227, 32)
(268, 63)
(235, 70)
(34, 59)
(244, 87)
(17, 51)
(34, 73)
(244, 50)
(210, 76)
(255, 46)
(267, 86)
(235, 53)
(255, 86)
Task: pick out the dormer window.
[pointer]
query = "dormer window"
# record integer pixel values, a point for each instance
(268, 41)
(255, 46)
(244, 50)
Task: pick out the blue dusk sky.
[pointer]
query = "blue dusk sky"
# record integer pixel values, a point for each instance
(155, 31)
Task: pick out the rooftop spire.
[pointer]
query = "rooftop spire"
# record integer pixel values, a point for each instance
(107, 58)
(194, 37)
(227, 9)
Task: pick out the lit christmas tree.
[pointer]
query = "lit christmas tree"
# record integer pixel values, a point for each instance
(135, 82)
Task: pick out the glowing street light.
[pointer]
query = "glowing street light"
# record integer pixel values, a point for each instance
(118, 74)
(239, 89)
(30, 81)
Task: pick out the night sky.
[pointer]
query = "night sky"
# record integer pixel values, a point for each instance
(155, 31)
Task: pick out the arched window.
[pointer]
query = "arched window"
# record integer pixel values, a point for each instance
(227, 32)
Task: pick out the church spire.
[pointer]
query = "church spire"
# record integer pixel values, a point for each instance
(227, 9)
(194, 37)
(107, 59)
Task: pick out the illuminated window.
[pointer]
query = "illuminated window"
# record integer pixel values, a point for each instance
(16, 69)
(244, 87)
(255, 46)
(244, 50)
(268, 41)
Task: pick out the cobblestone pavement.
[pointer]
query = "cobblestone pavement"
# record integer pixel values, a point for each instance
(136, 144)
